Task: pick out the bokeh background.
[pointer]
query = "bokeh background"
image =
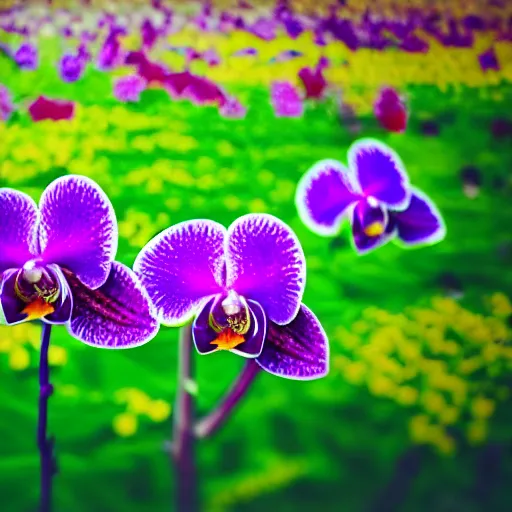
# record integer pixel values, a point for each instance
(415, 414)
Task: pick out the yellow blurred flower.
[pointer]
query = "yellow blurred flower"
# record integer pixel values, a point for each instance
(159, 410)
(57, 356)
(19, 358)
(482, 407)
(125, 424)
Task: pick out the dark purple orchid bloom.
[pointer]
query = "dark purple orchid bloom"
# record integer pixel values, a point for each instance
(314, 80)
(242, 287)
(71, 67)
(286, 100)
(129, 88)
(110, 54)
(26, 56)
(149, 34)
(6, 105)
(44, 108)
(488, 60)
(57, 264)
(374, 194)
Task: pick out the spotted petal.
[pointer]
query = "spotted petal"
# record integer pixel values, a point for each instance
(380, 173)
(78, 229)
(181, 266)
(18, 225)
(324, 195)
(265, 263)
(298, 350)
(116, 315)
(421, 222)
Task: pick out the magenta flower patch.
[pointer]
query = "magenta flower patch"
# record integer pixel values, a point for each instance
(374, 194)
(243, 289)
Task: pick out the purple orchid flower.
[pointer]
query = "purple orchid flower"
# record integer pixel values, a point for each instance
(243, 288)
(286, 100)
(71, 67)
(57, 264)
(129, 88)
(374, 194)
(233, 109)
(26, 56)
(6, 104)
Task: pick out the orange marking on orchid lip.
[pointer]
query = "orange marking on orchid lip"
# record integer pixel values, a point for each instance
(374, 229)
(227, 340)
(38, 309)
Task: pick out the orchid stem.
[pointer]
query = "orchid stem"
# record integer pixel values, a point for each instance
(183, 450)
(44, 443)
(211, 423)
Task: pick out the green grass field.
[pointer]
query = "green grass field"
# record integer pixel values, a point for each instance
(340, 443)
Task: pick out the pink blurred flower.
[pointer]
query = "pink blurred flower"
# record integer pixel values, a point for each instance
(129, 88)
(233, 109)
(6, 105)
(286, 100)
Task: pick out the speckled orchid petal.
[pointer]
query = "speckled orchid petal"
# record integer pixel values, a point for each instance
(181, 266)
(266, 263)
(298, 350)
(78, 229)
(18, 228)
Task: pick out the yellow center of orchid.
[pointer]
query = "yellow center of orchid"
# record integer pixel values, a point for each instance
(374, 229)
(38, 309)
(227, 339)
(37, 288)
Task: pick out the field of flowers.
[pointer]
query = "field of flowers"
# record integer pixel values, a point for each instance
(415, 413)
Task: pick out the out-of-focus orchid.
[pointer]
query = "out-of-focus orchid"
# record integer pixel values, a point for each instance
(243, 52)
(488, 60)
(71, 67)
(26, 56)
(198, 89)
(313, 80)
(242, 287)
(286, 100)
(154, 73)
(233, 109)
(149, 34)
(211, 57)
(57, 264)
(373, 193)
(264, 29)
(129, 88)
(44, 108)
(6, 105)
(110, 54)
(391, 111)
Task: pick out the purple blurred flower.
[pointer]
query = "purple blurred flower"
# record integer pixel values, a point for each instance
(373, 193)
(391, 111)
(233, 109)
(264, 29)
(197, 89)
(243, 52)
(57, 264)
(129, 88)
(149, 34)
(286, 100)
(489, 60)
(152, 72)
(26, 56)
(110, 54)
(243, 289)
(6, 105)
(313, 80)
(211, 57)
(71, 67)
(44, 108)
